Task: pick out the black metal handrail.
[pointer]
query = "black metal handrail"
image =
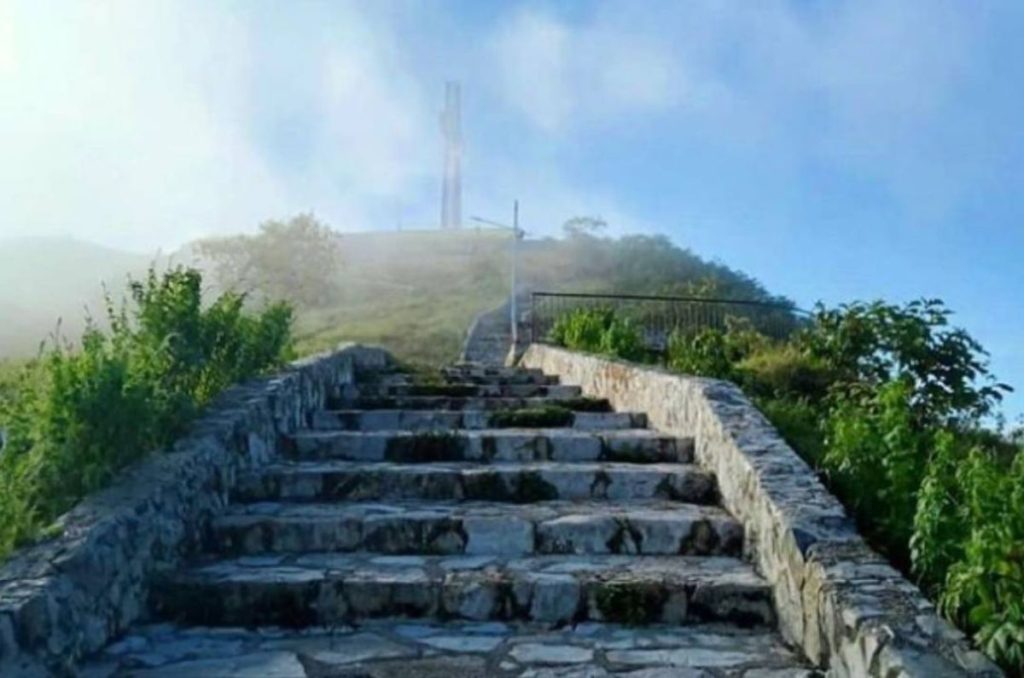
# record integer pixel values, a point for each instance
(659, 316)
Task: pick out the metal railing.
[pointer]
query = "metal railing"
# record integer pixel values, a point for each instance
(657, 317)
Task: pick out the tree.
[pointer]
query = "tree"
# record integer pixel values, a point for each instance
(584, 226)
(295, 260)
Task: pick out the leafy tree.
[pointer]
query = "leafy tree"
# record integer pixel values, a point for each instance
(871, 344)
(295, 260)
(577, 227)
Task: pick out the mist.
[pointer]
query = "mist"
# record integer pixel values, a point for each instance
(874, 139)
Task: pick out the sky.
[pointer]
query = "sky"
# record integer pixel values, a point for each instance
(833, 150)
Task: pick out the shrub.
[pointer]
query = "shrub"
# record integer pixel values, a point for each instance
(712, 352)
(582, 328)
(599, 331)
(871, 344)
(704, 353)
(784, 370)
(80, 414)
(875, 458)
(968, 545)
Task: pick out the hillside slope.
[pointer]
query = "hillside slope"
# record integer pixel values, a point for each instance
(414, 292)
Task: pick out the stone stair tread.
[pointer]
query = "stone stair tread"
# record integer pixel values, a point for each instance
(543, 510)
(642, 433)
(469, 466)
(468, 390)
(506, 481)
(317, 565)
(492, 445)
(418, 420)
(399, 648)
(307, 589)
(471, 403)
(477, 527)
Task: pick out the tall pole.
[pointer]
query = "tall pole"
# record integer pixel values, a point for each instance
(515, 264)
(451, 128)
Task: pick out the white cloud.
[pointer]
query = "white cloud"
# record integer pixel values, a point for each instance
(558, 74)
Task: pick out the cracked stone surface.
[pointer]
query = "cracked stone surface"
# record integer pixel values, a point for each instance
(500, 445)
(423, 649)
(407, 535)
(450, 420)
(321, 588)
(652, 527)
(512, 482)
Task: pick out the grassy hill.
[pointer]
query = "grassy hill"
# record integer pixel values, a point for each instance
(414, 292)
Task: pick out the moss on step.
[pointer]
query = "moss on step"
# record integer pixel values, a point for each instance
(546, 416)
(447, 390)
(584, 404)
(631, 603)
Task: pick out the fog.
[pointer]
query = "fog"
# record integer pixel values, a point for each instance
(858, 150)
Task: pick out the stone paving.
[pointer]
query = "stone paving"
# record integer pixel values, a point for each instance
(407, 533)
(448, 650)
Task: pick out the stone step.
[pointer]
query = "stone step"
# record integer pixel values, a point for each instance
(501, 379)
(478, 528)
(490, 371)
(463, 403)
(461, 481)
(448, 420)
(464, 390)
(330, 588)
(490, 446)
(400, 648)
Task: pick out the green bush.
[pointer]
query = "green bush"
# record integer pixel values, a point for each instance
(713, 352)
(889, 404)
(704, 353)
(871, 344)
(968, 544)
(784, 370)
(582, 328)
(599, 331)
(79, 414)
(875, 458)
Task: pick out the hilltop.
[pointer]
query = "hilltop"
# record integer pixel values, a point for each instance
(415, 292)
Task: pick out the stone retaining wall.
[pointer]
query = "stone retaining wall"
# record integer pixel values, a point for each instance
(66, 597)
(843, 604)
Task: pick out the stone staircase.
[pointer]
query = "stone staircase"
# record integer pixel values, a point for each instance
(488, 521)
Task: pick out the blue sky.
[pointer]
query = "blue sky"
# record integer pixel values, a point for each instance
(834, 150)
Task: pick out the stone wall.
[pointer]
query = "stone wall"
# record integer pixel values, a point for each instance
(843, 604)
(66, 597)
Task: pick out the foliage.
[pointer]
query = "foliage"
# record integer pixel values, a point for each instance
(712, 352)
(599, 331)
(968, 545)
(876, 458)
(887, 403)
(79, 414)
(784, 370)
(584, 227)
(296, 260)
(870, 344)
